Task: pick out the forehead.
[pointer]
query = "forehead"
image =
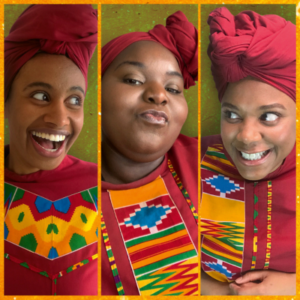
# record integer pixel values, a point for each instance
(146, 52)
(53, 69)
(250, 93)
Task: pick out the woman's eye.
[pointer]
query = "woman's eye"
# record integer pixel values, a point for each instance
(231, 115)
(75, 101)
(269, 117)
(173, 90)
(40, 96)
(133, 81)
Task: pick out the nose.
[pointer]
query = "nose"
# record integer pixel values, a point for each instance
(249, 132)
(155, 93)
(57, 114)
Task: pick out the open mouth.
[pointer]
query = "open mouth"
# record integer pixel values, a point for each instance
(254, 156)
(49, 142)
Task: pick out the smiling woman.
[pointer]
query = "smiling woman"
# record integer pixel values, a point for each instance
(248, 172)
(50, 197)
(149, 171)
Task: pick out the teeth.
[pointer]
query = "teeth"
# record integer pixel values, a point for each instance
(51, 137)
(253, 156)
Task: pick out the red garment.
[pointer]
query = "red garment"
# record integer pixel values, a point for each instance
(249, 44)
(65, 182)
(283, 215)
(69, 30)
(179, 36)
(183, 156)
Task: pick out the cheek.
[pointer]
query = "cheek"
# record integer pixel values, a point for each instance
(228, 132)
(180, 113)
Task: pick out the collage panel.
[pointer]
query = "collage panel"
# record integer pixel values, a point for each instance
(50, 190)
(149, 188)
(248, 145)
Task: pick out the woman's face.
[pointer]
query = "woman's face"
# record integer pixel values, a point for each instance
(258, 127)
(45, 113)
(143, 106)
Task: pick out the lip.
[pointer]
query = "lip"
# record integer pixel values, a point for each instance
(44, 152)
(257, 162)
(154, 117)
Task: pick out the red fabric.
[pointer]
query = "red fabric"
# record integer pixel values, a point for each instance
(69, 30)
(249, 44)
(72, 176)
(179, 36)
(183, 155)
(283, 218)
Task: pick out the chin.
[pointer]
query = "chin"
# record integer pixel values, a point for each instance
(253, 176)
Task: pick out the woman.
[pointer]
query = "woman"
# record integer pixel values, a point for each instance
(50, 197)
(248, 244)
(149, 173)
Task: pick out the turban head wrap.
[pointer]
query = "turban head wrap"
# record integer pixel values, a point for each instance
(69, 30)
(179, 36)
(249, 44)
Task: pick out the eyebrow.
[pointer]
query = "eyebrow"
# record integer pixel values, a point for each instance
(229, 105)
(39, 83)
(271, 106)
(263, 107)
(50, 87)
(132, 63)
(141, 65)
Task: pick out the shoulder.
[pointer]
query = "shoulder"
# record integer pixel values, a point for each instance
(74, 162)
(208, 141)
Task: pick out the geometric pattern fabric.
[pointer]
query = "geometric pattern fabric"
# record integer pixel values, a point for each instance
(50, 228)
(163, 258)
(222, 216)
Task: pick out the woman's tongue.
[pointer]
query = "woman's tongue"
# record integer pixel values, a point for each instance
(47, 144)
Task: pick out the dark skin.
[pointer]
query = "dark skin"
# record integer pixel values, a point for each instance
(143, 110)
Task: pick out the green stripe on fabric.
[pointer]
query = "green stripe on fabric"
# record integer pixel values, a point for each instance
(209, 169)
(217, 154)
(229, 261)
(165, 262)
(154, 236)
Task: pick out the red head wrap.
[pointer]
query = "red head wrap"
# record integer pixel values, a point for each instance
(249, 44)
(69, 30)
(179, 36)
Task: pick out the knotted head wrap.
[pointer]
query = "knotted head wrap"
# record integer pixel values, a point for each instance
(69, 30)
(249, 44)
(179, 36)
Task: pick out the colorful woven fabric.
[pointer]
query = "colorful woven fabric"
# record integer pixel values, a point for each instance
(163, 258)
(222, 216)
(50, 228)
(269, 224)
(255, 229)
(111, 258)
(183, 190)
(44, 273)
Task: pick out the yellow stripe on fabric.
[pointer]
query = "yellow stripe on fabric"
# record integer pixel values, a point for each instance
(222, 160)
(219, 170)
(144, 193)
(212, 250)
(218, 276)
(222, 209)
(226, 246)
(214, 149)
(157, 241)
(163, 255)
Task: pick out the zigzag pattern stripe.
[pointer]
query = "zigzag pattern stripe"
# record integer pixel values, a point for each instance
(53, 277)
(183, 191)
(269, 226)
(111, 258)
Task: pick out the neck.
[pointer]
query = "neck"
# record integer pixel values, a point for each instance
(118, 169)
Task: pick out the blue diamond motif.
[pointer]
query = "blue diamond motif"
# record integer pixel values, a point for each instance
(6, 231)
(147, 216)
(62, 205)
(219, 268)
(223, 184)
